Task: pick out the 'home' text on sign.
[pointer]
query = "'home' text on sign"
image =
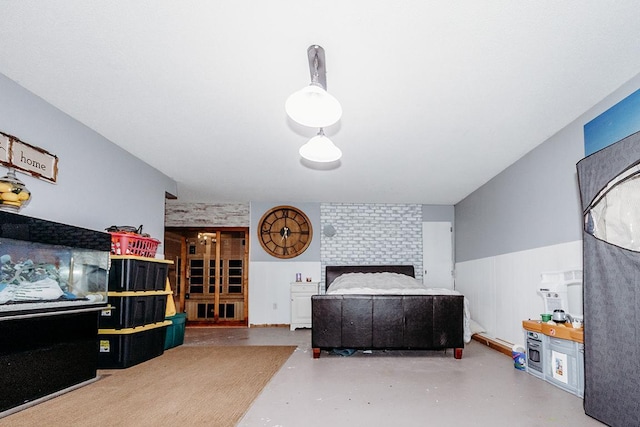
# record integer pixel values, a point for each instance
(20, 155)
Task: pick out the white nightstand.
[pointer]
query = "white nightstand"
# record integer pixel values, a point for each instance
(301, 303)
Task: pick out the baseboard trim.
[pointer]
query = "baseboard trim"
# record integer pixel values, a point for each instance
(269, 325)
(493, 343)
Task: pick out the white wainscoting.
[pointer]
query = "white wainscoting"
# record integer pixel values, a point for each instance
(269, 289)
(502, 290)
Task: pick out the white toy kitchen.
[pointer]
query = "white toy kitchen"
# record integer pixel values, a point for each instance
(555, 343)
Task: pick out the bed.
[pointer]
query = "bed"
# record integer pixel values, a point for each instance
(359, 319)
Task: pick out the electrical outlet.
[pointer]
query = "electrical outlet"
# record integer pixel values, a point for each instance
(275, 306)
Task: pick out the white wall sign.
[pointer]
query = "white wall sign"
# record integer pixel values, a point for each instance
(20, 155)
(4, 148)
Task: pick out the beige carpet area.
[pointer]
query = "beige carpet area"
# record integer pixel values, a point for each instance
(188, 386)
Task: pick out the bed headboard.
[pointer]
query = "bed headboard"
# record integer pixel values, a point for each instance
(333, 271)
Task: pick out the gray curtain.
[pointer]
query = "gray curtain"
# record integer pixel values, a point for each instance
(611, 277)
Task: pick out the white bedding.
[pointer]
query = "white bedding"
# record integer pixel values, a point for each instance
(392, 284)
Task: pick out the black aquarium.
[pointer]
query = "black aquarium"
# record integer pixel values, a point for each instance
(53, 286)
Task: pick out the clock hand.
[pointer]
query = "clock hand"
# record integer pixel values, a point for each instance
(284, 228)
(285, 233)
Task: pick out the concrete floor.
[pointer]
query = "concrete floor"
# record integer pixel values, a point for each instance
(396, 388)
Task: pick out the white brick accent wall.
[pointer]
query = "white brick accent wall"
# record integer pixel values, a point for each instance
(368, 234)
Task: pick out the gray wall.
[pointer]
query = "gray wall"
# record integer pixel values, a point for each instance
(443, 213)
(401, 222)
(99, 184)
(535, 201)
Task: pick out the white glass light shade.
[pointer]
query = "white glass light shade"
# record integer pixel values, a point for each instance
(314, 107)
(320, 149)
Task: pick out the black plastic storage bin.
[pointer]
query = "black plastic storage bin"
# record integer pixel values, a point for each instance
(131, 273)
(131, 309)
(127, 347)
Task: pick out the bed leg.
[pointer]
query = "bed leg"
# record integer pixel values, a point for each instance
(316, 353)
(457, 353)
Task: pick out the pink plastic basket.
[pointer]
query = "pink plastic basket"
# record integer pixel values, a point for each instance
(133, 244)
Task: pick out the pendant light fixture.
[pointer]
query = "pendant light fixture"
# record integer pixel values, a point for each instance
(320, 149)
(313, 106)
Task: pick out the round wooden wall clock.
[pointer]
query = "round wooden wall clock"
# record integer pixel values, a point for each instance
(285, 231)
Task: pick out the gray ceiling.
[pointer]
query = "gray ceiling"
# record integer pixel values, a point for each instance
(438, 96)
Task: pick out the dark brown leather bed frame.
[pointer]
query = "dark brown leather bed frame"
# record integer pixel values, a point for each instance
(369, 322)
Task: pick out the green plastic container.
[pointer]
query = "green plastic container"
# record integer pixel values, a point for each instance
(175, 331)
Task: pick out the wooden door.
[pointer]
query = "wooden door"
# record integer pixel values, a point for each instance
(214, 270)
